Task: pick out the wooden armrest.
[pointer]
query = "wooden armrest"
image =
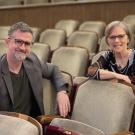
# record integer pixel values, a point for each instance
(124, 133)
(46, 119)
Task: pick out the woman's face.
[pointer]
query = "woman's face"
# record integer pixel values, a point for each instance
(118, 40)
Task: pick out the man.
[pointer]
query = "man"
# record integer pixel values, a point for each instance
(21, 76)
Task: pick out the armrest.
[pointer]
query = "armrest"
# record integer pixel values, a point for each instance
(46, 119)
(124, 133)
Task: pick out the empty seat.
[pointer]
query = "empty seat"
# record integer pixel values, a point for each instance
(36, 33)
(69, 26)
(4, 32)
(72, 60)
(42, 51)
(53, 37)
(18, 124)
(96, 26)
(105, 105)
(3, 47)
(11, 2)
(88, 40)
(130, 19)
(35, 1)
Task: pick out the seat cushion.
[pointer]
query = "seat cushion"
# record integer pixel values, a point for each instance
(15, 126)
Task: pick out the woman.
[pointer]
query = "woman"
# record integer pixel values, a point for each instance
(119, 62)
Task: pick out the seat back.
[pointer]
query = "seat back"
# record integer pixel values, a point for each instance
(42, 51)
(72, 60)
(13, 123)
(49, 97)
(76, 126)
(96, 26)
(69, 26)
(130, 19)
(4, 32)
(53, 37)
(36, 33)
(105, 105)
(88, 40)
(35, 1)
(3, 47)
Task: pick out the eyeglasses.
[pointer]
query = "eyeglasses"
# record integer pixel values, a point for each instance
(20, 42)
(120, 37)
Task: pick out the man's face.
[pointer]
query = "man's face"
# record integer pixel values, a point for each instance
(19, 45)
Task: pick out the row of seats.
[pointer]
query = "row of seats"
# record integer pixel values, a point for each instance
(100, 107)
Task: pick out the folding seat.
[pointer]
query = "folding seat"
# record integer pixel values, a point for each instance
(3, 47)
(53, 37)
(130, 19)
(71, 127)
(35, 1)
(42, 51)
(84, 39)
(4, 32)
(49, 95)
(72, 60)
(69, 26)
(36, 33)
(96, 26)
(105, 105)
(13, 123)
(11, 2)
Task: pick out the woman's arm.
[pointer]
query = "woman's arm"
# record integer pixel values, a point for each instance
(104, 74)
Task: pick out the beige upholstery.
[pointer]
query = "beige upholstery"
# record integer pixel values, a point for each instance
(10, 2)
(97, 26)
(4, 32)
(72, 60)
(49, 97)
(42, 51)
(49, 94)
(76, 126)
(53, 37)
(88, 40)
(105, 105)
(12, 123)
(130, 19)
(3, 47)
(36, 33)
(69, 26)
(35, 1)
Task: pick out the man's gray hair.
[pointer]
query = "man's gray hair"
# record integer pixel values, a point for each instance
(19, 26)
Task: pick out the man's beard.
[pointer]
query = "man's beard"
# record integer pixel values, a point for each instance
(20, 56)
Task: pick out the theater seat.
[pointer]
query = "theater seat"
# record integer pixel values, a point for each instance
(42, 51)
(72, 60)
(12, 123)
(69, 25)
(96, 26)
(74, 126)
(105, 105)
(55, 38)
(84, 39)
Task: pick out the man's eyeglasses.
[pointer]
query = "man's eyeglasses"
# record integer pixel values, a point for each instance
(20, 42)
(120, 37)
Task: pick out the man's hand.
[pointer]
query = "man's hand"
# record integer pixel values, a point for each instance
(63, 103)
